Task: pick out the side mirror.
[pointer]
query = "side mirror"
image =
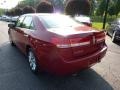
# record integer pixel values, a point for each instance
(11, 25)
(13, 21)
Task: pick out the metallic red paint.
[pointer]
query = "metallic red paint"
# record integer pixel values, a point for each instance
(58, 52)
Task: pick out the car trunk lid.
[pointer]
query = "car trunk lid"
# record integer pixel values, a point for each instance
(78, 41)
(86, 43)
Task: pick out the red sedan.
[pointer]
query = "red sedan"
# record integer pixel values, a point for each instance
(56, 43)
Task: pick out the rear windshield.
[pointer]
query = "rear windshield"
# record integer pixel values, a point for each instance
(57, 21)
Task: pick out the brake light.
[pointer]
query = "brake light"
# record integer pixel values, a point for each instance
(79, 42)
(100, 37)
(61, 43)
(68, 43)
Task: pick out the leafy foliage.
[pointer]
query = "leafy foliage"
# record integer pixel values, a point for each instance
(77, 7)
(18, 12)
(112, 10)
(28, 9)
(101, 9)
(28, 2)
(93, 5)
(117, 7)
(45, 7)
(1, 11)
(114, 7)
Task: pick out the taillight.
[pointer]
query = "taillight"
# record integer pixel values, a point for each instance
(79, 42)
(100, 37)
(67, 43)
(61, 43)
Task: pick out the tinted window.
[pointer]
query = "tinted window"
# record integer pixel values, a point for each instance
(32, 26)
(27, 21)
(20, 20)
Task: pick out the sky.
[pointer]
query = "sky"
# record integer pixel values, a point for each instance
(8, 4)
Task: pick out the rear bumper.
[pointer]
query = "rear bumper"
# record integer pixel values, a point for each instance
(62, 67)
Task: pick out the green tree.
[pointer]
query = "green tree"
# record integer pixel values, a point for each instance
(101, 9)
(117, 7)
(28, 9)
(24, 3)
(1, 11)
(28, 2)
(93, 4)
(18, 11)
(77, 7)
(112, 10)
(45, 7)
(32, 3)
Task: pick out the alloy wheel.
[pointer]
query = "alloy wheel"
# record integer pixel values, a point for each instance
(32, 61)
(11, 42)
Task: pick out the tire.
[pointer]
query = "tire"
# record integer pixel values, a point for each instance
(11, 42)
(113, 37)
(107, 33)
(32, 61)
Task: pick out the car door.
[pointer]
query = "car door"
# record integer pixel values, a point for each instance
(23, 33)
(15, 32)
(27, 28)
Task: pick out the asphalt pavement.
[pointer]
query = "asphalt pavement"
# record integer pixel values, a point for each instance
(15, 73)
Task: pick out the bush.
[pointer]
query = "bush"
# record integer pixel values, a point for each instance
(77, 7)
(45, 7)
(28, 9)
(18, 11)
(10, 13)
(101, 9)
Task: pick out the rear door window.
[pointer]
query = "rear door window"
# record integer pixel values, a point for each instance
(32, 26)
(20, 20)
(27, 22)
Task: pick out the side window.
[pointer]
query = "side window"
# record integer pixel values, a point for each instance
(32, 26)
(20, 20)
(27, 22)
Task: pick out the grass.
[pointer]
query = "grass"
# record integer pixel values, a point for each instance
(97, 25)
(97, 21)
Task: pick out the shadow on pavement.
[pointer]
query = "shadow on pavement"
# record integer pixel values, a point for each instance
(85, 80)
(14, 70)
